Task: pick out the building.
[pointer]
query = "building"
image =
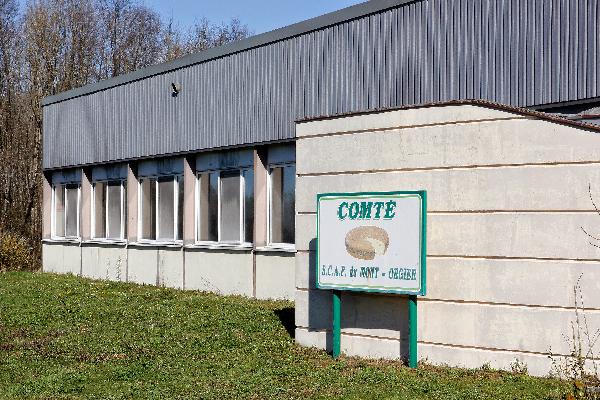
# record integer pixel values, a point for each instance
(202, 173)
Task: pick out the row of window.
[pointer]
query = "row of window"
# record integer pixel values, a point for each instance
(224, 207)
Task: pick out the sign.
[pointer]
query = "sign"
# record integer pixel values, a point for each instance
(373, 242)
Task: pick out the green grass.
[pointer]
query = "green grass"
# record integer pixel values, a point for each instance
(65, 337)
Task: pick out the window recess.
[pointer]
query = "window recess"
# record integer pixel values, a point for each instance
(225, 206)
(65, 210)
(161, 208)
(160, 201)
(281, 205)
(66, 194)
(109, 209)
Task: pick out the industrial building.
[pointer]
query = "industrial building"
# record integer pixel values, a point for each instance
(202, 173)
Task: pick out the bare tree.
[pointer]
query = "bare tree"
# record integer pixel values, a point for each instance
(204, 35)
(9, 110)
(8, 16)
(173, 46)
(57, 45)
(131, 37)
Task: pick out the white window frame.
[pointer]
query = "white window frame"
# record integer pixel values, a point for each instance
(270, 243)
(176, 178)
(53, 214)
(95, 236)
(241, 242)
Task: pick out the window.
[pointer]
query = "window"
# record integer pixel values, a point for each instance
(207, 210)
(225, 206)
(66, 211)
(161, 208)
(109, 209)
(282, 208)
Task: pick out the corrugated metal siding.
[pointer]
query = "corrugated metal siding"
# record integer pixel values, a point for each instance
(515, 52)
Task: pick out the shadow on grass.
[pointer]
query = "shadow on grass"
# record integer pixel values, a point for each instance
(287, 318)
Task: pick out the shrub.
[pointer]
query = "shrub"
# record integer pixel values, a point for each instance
(15, 254)
(580, 367)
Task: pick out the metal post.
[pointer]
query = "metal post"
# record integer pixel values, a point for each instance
(337, 318)
(412, 331)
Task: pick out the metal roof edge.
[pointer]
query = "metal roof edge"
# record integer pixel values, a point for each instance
(286, 32)
(545, 106)
(475, 102)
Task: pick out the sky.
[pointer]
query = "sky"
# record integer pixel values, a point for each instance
(260, 15)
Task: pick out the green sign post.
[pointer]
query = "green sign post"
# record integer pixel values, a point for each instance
(373, 242)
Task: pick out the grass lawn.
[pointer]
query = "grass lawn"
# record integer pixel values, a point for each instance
(65, 337)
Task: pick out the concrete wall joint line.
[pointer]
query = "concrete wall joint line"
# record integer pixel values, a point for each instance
(493, 349)
(445, 168)
(362, 335)
(126, 263)
(541, 260)
(483, 303)
(253, 274)
(446, 212)
(404, 127)
(448, 345)
(482, 257)
(312, 330)
(503, 304)
(424, 342)
(354, 334)
(183, 268)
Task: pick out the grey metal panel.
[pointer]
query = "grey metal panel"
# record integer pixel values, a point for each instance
(109, 172)
(66, 176)
(522, 53)
(281, 153)
(163, 166)
(320, 22)
(224, 159)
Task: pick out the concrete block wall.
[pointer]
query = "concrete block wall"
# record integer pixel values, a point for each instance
(61, 258)
(225, 272)
(274, 275)
(507, 198)
(104, 262)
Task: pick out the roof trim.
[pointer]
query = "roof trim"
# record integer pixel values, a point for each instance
(474, 102)
(313, 24)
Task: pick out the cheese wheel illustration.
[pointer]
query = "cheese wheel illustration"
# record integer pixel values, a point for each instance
(365, 242)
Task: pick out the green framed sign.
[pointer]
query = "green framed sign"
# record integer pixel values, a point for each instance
(372, 242)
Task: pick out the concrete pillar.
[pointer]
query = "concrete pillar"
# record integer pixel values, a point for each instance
(132, 202)
(46, 206)
(189, 190)
(85, 209)
(260, 196)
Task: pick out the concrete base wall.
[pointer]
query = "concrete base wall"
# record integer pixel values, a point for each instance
(223, 272)
(61, 258)
(170, 268)
(142, 265)
(265, 275)
(108, 263)
(156, 266)
(275, 275)
(507, 198)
